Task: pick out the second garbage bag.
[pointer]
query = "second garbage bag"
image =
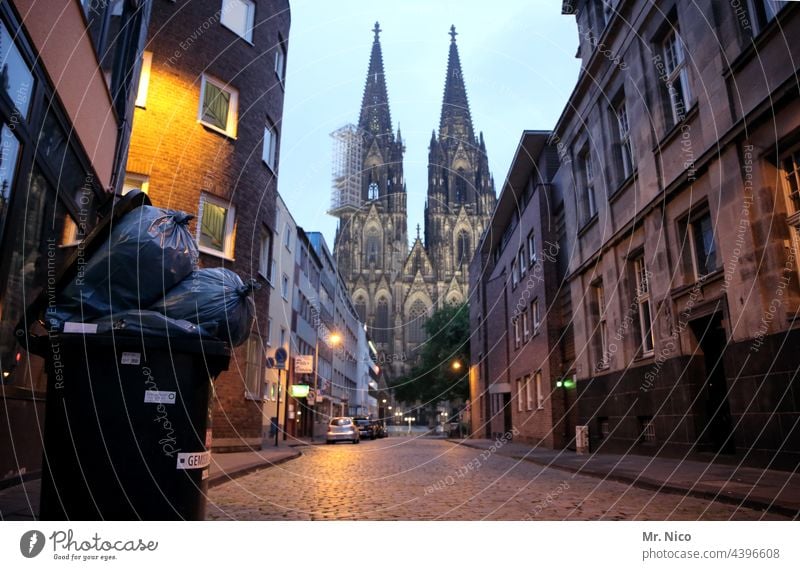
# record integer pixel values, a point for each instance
(214, 299)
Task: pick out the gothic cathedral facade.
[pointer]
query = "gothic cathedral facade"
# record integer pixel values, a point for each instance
(395, 285)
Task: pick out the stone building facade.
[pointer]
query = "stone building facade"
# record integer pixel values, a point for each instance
(206, 141)
(395, 286)
(679, 176)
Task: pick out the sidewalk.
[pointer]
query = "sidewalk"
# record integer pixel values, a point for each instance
(772, 490)
(21, 502)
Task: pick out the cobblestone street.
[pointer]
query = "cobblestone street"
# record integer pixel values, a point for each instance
(427, 479)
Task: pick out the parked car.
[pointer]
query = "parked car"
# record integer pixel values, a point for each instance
(379, 430)
(342, 429)
(364, 426)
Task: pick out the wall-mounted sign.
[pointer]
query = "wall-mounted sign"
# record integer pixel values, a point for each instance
(304, 364)
(299, 390)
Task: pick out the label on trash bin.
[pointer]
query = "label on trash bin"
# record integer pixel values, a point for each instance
(131, 358)
(159, 397)
(197, 460)
(85, 328)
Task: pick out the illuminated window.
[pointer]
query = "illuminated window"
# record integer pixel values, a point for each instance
(264, 254)
(237, 16)
(216, 226)
(254, 371)
(144, 79)
(540, 395)
(135, 182)
(218, 106)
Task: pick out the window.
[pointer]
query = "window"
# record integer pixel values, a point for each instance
(526, 333)
(360, 305)
(269, 331)
(283, 337)
(624, 140)
(285, 287)
(791, 172)
(643, 302)
(254, 372)
(218, 106)
(536, 318)
(216, 227)
(280, 61)
(135, 181)
(417, 316)
(522, 262)
(703, 248)
(601, 335)
(461, 187)
(514, 274)
(373, 246)
(372, 191)
(270, 146)
(237, 16)
(463, 250)
(603, 427)
(589, 203)
(264, 261)
(520, 387)
(381, 329)
(528, 393)
(18, 81)
(647, 429)
(272, 271)
(762, 12)
(287, 237)
(144, 79)
(517, 336)
(677, 75)
(531, 248)
(539, 390)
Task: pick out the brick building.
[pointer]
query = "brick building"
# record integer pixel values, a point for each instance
(205, 141)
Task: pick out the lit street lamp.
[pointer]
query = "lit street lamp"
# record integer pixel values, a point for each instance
(456, 365)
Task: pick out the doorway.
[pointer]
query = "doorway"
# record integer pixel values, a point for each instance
(717, 423)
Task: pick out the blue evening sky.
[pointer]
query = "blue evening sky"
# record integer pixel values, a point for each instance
(518, 59)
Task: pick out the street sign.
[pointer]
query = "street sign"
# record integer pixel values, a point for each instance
(281, 356)
(304, 364)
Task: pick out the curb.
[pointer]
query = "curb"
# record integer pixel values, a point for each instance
(655, 485)
(227, 476)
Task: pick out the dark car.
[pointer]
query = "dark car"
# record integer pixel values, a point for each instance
(379, 430)
(364, 425)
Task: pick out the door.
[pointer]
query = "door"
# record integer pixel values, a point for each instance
(714, 391)
(507, 424)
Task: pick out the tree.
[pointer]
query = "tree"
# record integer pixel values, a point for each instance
(436, 376)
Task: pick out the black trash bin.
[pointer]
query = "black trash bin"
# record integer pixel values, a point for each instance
(127, 429)
(127, 417)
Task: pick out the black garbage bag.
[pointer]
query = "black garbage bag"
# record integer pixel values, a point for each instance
(147, 323)
(148, 252)
(214, 299)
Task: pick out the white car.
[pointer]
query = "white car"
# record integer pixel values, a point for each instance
(342, 429)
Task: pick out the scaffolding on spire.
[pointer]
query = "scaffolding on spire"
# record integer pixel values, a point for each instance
(346, 171)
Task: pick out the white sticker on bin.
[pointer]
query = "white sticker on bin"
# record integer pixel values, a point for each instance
(85, 328)
(131, 358)
(159, 397)
(197, 460)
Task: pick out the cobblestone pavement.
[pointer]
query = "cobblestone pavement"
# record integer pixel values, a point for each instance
(425, 479)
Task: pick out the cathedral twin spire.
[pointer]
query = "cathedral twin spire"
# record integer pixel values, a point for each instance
(455, 121)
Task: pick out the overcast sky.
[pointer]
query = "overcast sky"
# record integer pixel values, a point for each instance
(519, 66)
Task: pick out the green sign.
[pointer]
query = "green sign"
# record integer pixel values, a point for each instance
(299, 390)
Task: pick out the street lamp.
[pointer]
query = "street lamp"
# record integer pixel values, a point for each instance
(334, 339)
(456, 365)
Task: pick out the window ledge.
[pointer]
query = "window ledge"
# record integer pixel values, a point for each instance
(271, 168)
(216, 129)
(588, 224)
(676, 129)
(215, 253)
(624, 185)
(238, 35)
(754, 44)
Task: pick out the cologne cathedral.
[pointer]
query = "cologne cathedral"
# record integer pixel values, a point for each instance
(395, 285)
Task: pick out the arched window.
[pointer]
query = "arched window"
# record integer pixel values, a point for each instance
(361, 308)
(463, 252)
(380, 332)
(372, 191)
(373, 246)
(417, 317)
(461, 187)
